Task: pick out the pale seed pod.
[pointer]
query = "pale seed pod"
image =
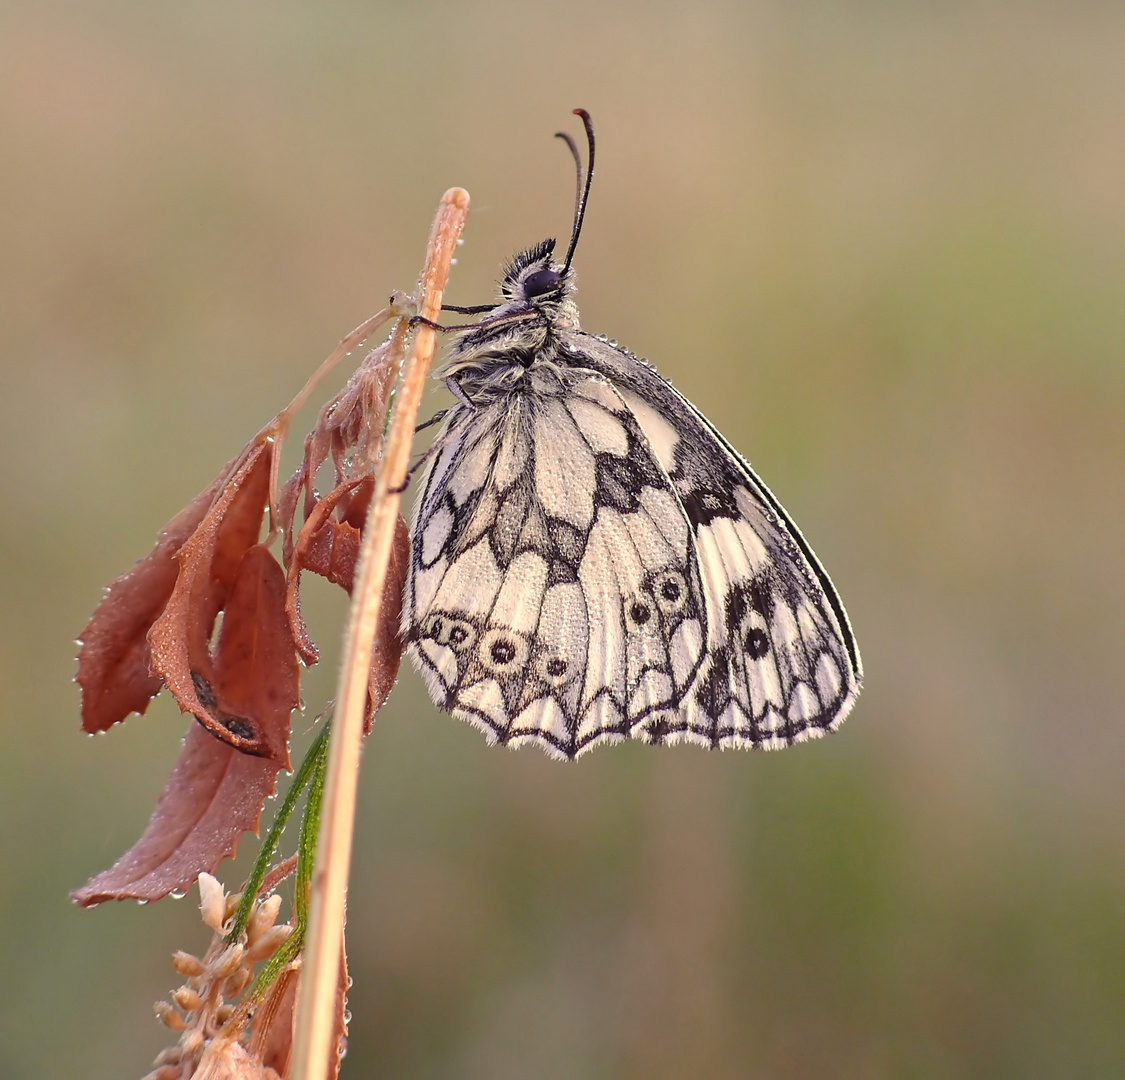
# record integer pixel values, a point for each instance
(263, 918)
(238, 981)
(169, 1016)
(227, 961)
(186, 964)
(187, 999)
(212, 903)
(268, 943)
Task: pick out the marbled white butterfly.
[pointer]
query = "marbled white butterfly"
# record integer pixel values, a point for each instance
(592, 560)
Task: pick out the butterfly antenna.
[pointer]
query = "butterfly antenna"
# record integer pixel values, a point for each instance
(582, 194)
(572, 146)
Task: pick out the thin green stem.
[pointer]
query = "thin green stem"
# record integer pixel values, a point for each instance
(310, 830)
(317, 755)
(311, 773)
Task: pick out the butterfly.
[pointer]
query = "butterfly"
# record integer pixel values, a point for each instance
(592, 561)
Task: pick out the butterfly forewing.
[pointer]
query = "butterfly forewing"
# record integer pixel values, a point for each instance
(555, 594)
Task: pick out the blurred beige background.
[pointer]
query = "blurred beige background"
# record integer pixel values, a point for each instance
(882, 245)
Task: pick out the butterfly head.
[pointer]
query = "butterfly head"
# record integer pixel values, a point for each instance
(535, 279)
(535, 289)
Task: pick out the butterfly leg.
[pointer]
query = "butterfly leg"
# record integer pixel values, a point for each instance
(476, 309)
(421, 320)
(500, 320)
(410, 473)
(435, 448)
(437, 418)
(454, 387)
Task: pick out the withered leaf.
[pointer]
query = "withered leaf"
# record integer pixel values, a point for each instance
(215, 792)
(157, 622)
(209, 565)
(272, 1040)
(387, 652)
(214, 795)
(350, 428)
(113, 664)
(330, 547)
(256, 672)
(327, 545)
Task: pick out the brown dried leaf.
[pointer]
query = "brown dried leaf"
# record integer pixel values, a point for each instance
(214, 795)
(318, 442)
(272, 1040)
(209, 565)
(257, 678)
(387, 650)
(113, 664)
(330, 547)
(215, 792)
(350, 428)
(156, 624)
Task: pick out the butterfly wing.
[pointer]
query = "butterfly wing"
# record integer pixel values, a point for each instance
(555, 593)
(592, 560)
(781, 662)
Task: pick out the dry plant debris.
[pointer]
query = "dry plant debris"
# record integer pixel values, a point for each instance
(156, 627)
(212, 615)
(221, 1037)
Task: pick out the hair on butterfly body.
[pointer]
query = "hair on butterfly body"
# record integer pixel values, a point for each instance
(534, 298)
(591, 560)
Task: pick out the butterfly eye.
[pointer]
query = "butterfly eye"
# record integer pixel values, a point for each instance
(540, 283)
(501, 651)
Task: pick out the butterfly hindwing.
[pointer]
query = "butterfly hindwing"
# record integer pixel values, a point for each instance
(781, 663)
(555, 594)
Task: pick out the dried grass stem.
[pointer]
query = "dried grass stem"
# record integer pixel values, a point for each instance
(321, 968)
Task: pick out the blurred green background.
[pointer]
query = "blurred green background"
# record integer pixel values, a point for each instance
(881, 245)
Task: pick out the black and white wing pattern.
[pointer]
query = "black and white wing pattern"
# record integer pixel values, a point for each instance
(781, 663)
(554, 594)
(592, 561)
